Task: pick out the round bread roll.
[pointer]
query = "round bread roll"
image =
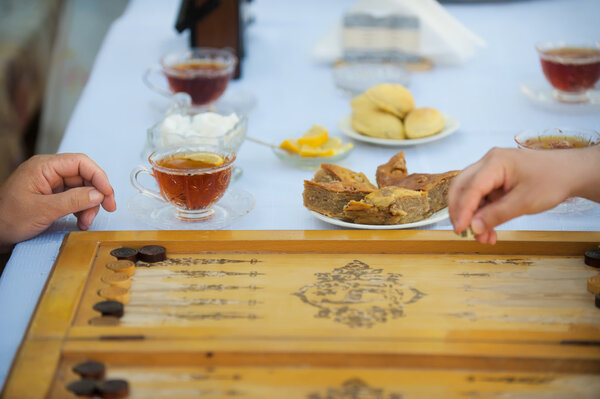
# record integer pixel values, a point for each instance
(393, 98)
(361, 102)
(423, 122)
(376, 123)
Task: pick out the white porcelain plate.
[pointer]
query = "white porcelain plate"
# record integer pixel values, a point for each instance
(345, 127)
(435, 218)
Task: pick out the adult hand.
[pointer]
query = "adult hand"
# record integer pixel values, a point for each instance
(507, 183)
(47, 187)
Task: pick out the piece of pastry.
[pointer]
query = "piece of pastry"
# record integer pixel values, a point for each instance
(392, 171)
(329, 198)
(435, 185)
(392, 98)
(423, 122)
(389, 205)
(330, 172)
(378, 124)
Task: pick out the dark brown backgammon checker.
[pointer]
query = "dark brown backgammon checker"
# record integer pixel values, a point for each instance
(124, 253)
(315, 314)
(90, 370)
(152, 253)
(592, 257)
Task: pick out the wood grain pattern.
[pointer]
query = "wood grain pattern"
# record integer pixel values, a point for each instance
(336, 383)
(394, 300)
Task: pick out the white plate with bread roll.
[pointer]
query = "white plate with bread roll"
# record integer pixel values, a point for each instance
(440, 215)
(450, 126)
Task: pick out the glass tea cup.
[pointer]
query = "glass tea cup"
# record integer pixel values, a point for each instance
(202, 72)
(191, 178)
(571, 68)
(557, 139)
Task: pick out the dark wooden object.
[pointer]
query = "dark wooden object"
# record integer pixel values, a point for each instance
(214, 23)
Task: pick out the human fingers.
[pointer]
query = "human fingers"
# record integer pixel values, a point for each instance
(74, 181)
(509, 206)
(456, 198)
(482, 237)
(71, 201)
(472, 186)
(108, 204)
(86, 218)
(70, 167)
(486, 237)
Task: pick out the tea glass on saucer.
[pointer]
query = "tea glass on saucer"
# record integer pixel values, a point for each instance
(191, 178)
(561, 138)
(573, 69)
(203, 73)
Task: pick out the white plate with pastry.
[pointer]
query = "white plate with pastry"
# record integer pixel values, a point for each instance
(345, 126)
(439, 216)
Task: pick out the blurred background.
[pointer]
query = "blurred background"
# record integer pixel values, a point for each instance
(47, 49)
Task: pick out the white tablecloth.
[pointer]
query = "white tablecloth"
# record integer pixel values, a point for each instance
(293, 93)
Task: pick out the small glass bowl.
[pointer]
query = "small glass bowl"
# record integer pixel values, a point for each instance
(356, 78)
(233, 138)
(557, 138)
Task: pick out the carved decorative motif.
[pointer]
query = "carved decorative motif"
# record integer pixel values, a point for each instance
(355, 388)
(359, 296)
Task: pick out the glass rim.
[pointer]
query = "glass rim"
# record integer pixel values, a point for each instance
(228, 154)
(542, 47)
(224, 56)
(591, 135)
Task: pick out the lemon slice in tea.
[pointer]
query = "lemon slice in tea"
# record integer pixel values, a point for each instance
(208, 159)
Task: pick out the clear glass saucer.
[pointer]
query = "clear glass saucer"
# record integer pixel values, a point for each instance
(573, 206)
(161, 215)
(542, 94)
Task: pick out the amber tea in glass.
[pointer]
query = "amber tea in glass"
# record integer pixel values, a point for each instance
(204, 81)
(202, 72)
(190, 178)
(561, 139)
(557, 139)
(572, 70)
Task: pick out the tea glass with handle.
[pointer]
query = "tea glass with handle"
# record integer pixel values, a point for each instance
(202, 72)
(191, 178)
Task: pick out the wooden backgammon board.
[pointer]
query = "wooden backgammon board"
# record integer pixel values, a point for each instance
(316, 315)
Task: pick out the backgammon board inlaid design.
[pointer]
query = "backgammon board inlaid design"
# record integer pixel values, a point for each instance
(314, 315)
(358, 296)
